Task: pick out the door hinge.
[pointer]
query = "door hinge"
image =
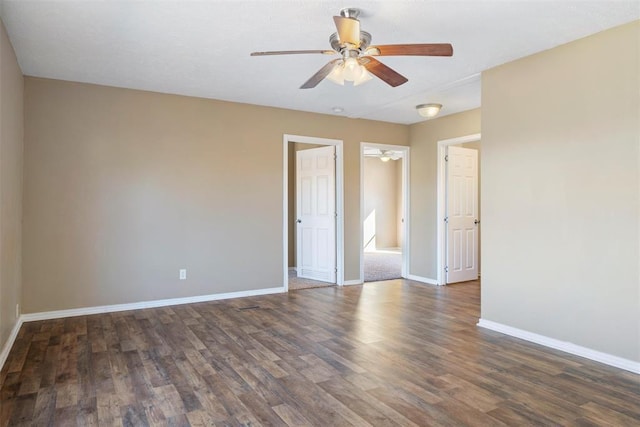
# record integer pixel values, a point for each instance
(446, 269)
(335, 214)
(446, 219)
(336, 269)
(335, 157)
(446, 158)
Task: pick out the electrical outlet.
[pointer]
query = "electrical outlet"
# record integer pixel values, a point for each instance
(183, 274)
(17, 310)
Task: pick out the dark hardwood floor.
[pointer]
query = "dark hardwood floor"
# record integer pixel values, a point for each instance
(391, 353)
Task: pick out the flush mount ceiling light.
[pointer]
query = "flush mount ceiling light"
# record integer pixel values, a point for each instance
(428, 110)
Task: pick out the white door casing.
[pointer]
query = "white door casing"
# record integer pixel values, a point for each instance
(462, 214)
(316, 214)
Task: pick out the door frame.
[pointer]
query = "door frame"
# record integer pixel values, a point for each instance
(339, 193)
(441, 234)
(406, 150)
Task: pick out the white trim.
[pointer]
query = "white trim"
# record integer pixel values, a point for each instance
(461, 139)
(406, 198)
(422, 279)
(406, 151)
(441, 237)
(352, 282)
(46, 315)
(338, 143)
(10, 341)
(606, 358)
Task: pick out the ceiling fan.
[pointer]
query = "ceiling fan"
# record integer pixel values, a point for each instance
(384, 155)
(358, 56)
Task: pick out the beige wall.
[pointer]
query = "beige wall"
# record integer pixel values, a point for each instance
(424, 138)
(11, 143)
(123, 188)
(381, 196)
(560, 182)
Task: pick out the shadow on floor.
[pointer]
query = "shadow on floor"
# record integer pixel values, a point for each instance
(297, 283)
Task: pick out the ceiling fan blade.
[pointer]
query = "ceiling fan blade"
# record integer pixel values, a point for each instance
(320, 75)
(292, 52)
(430, 49)
(384, 73)
(348, 30)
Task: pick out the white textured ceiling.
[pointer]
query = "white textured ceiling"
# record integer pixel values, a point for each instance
(201, 48)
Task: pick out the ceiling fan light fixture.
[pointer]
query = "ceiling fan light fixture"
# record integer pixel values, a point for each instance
(428, 110)
(386, 155)
(336, 75)
(351, 69)
(364, 77)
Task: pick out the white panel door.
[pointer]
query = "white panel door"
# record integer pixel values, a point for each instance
(316, 214)
(462, 214)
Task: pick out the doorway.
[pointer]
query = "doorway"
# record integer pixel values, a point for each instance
(304, 236)
(458, 226)
(384, 201)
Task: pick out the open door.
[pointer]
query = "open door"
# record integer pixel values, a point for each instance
(316, 214)
(462, 214)
(384, 183)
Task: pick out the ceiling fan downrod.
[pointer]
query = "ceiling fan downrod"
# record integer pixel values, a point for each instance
(350, 12)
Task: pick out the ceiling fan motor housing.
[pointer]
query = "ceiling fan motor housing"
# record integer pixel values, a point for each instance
(365, 41)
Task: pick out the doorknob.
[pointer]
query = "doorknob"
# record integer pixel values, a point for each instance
(299, 221)
(476, 222)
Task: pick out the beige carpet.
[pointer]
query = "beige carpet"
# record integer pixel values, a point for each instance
(297, 283)
(382, 265)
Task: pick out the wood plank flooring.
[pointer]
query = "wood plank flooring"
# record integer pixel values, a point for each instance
(391, 353)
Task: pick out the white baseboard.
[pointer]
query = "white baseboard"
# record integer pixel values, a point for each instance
(9, 343)
(352, 282)
(607, 359)
(422, 279)
(145, 304)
